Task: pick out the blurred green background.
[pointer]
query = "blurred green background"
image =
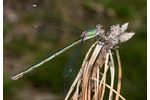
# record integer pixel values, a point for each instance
(24, 45)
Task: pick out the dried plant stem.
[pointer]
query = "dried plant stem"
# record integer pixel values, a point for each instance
(114, 91)
(76, 94)
(97, 84)
(112, 72)
(104, 75)
(86, 75)
(119, 75)
(110, 88)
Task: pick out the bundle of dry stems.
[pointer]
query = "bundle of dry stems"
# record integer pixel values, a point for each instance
(90, 82)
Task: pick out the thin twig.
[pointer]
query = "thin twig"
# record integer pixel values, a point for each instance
(104, 75)
(97, 84)
(112, 72)
(119, 75)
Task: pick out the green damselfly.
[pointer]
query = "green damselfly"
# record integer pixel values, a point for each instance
(86, 35)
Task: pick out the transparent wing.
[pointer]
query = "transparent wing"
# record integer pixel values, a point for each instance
(72, 67)
(72, 61)
(56, 29)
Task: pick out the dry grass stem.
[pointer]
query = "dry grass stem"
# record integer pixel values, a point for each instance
(112, 72)
(119, 74)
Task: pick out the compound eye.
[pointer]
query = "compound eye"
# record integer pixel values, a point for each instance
(84, 33)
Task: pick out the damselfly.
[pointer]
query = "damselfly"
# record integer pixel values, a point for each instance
(86, 35)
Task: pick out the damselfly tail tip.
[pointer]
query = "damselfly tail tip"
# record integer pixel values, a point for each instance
(13, 78)
(16, 77)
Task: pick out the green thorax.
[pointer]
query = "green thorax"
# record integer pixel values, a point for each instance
(91, 31)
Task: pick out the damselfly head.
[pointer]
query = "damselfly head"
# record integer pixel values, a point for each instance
(84, 34)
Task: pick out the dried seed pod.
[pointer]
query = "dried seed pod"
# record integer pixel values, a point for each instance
(126, 36)
(124, 27)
